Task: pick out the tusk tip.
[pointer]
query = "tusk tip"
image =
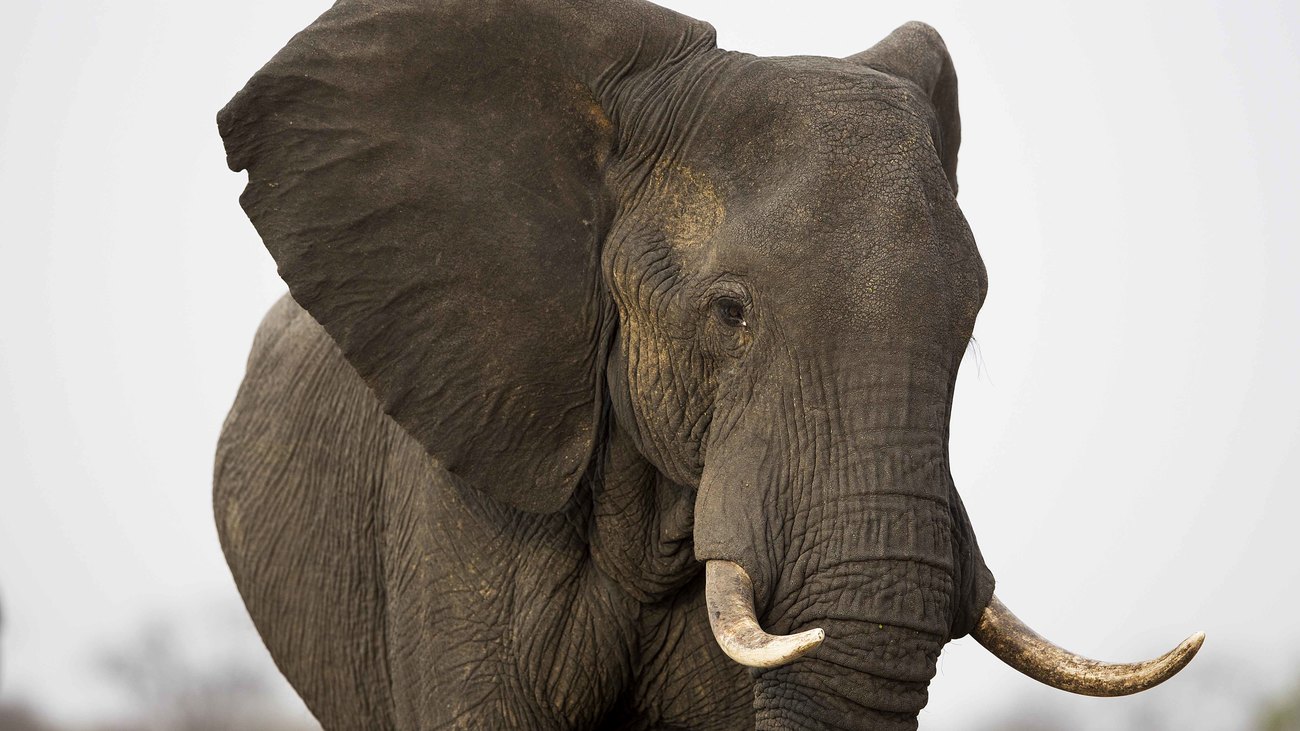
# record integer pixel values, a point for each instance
(809, 639)
(777, 650)
(1166, 666)
(1189, 647)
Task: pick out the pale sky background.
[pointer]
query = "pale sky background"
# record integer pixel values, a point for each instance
(1126, 442)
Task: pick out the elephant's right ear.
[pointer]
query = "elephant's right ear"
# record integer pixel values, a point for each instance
(428, 176)
(916, 52)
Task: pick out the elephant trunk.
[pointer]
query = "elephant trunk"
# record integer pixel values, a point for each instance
(888, 575)
(876, 678)
(846, 522)
(882, 574)
(877, 681)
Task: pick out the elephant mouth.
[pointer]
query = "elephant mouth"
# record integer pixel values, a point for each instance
(730, 598)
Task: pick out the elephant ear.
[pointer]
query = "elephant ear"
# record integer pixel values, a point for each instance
(427, 175)
(916, 52)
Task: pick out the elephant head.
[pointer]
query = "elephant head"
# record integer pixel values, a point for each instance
(529, 224)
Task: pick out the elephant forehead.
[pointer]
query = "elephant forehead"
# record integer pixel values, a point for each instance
(818, 115)
(818, 181)
(792, 145)
(858, 221)
(880, 244)
(919, 277)
(877, 283)
(811, 151)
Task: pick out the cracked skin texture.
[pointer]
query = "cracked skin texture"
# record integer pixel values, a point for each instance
(481, 451)
(685, 205)
(399, 580)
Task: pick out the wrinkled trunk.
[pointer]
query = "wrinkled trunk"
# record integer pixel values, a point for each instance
(883, 576)
(876, 678)
(847, 520)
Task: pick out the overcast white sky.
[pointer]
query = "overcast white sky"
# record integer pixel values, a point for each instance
(1126, 444)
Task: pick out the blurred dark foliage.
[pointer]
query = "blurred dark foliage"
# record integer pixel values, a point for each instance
(205, 673)
(18, 717)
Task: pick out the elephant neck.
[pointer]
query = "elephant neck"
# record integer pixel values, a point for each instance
(642, 524)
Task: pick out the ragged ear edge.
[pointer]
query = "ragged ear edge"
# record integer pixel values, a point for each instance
(916, 52)
(429, 179)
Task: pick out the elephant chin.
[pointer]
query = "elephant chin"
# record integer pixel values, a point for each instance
(730, 599)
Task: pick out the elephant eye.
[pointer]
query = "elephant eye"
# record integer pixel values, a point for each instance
(730, 312)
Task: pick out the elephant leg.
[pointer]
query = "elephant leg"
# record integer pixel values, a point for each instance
(388, 596)
(495, 618)
(297, 470)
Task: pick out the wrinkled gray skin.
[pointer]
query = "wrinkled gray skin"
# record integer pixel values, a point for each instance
(582, 301)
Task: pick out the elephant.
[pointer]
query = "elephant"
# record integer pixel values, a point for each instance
(613, 383)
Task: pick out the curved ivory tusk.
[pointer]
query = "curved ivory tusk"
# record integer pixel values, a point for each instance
(730, 596)
(1014, 643)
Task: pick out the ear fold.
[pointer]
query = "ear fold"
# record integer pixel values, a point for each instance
(916, 52)
(428, 176)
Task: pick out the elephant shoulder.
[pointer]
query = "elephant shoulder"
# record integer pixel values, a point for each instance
(289, 343)
(274, 324)
(298, 469)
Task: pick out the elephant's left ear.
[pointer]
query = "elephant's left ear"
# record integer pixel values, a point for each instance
(916, 52)
(429, 176)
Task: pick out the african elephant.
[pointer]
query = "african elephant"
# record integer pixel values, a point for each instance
(606, 350)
